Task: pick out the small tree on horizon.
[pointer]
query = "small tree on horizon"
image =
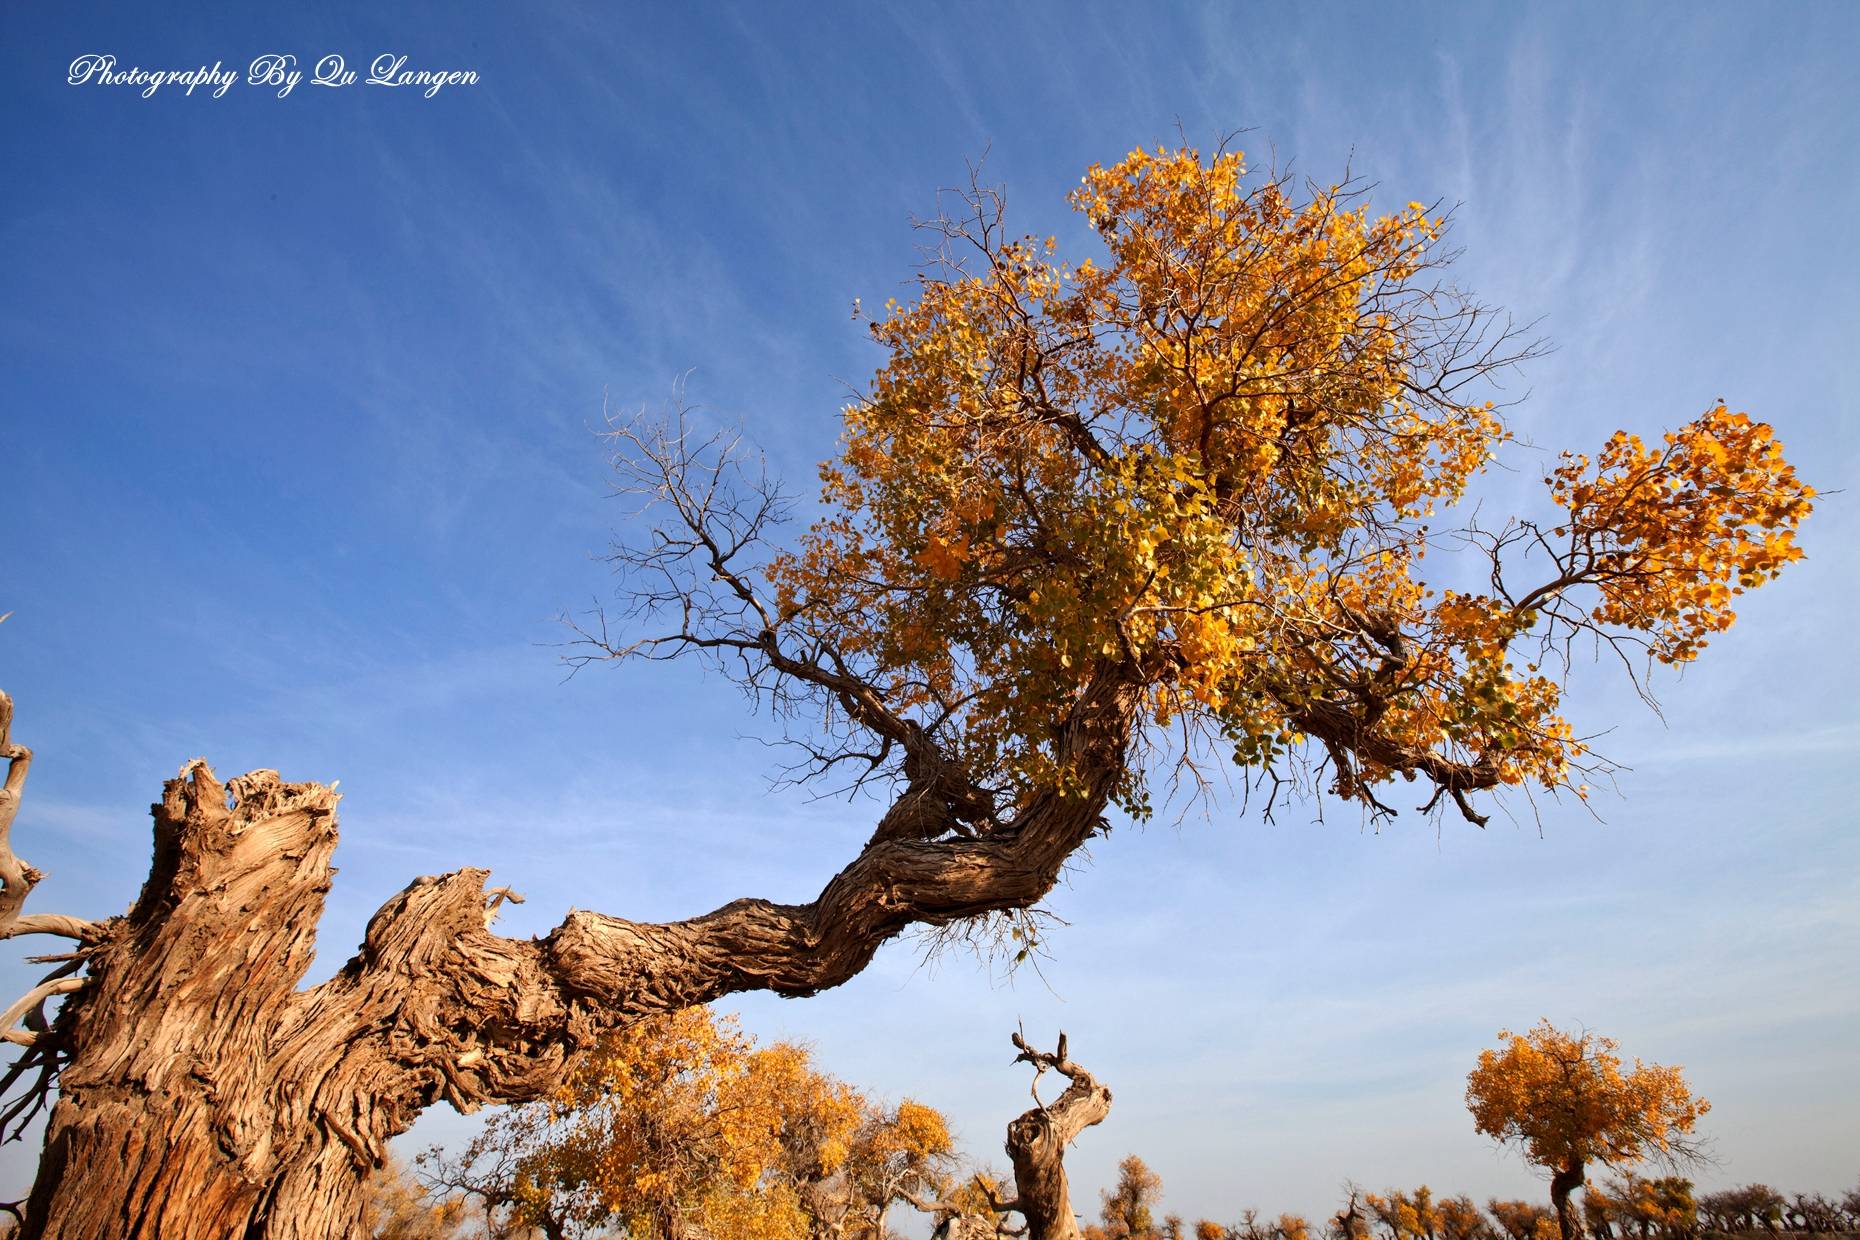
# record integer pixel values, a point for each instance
(1563, 1100)
(1128, 1208)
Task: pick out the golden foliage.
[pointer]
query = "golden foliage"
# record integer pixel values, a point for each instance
(1674, 532)
(1206, 460)
(1406, 1216)
(1650, 1207)
(683, 1115)
(1128, 1208)
(683, 1122)
(1566, 1102)
(396, 1207)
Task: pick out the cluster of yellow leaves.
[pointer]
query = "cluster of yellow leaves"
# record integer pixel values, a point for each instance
(1678, 529)
(1524, 1220)
(1662, 1206)
(684, 1116)
(1205, 459)
(1564, 1099)
(1127, 1210)
(904, 1150)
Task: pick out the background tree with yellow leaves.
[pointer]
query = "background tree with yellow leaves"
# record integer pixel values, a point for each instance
(678, 1123)
(684, 1125)
(903, 1153)
(1523, 1220)
(1564, 1101)
(1128, 1208)
(1633, 1205)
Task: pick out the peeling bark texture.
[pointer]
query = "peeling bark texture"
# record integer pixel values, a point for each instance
(1037, 1141)
(203, 1095)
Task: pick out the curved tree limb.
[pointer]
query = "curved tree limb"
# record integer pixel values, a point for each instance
(34, 999)
(496, 1019)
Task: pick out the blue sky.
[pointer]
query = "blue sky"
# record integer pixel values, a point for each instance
(298, 467)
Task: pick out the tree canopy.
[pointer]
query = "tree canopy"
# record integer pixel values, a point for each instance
(683, 1124)
(1565, 1102)
(1205, 472)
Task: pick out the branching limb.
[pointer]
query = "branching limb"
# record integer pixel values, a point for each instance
(60, 924)
(44, 1055)
(34, 1001)
(700, 568)
(25, 1024)
(17, 878)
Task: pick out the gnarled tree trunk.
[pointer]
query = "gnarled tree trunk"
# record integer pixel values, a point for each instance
(1037, 1141)
(1036, 1145)
(204, 1096)
(1565, 1182)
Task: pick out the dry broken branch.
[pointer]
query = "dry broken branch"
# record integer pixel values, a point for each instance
(1037, 1141)
(16, 877)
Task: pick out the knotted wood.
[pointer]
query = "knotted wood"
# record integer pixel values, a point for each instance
(1037, 1142)
(204, 1095)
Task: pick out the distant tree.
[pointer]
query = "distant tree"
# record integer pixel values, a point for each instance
(1719, 1212)
(1565, 1102)
(677, 1124)
(1350, 1223)
(1292, 1227)
(1461, 1219)
(1601, 1213)
(1208, 1229)
(821, 1122)
(976, 1207)
(1815, 1213)
(1523, 1220)
(1128, 1210)
(1635, 1206)
(400, 1208)
(1175, 498)
(1406, 1216)
(1751, 1207)
(1252, 1226)
(904, 1153)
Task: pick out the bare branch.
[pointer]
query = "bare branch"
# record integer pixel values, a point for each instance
(17, 878)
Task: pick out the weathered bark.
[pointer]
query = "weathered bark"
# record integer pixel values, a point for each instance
(1037, 1141)
(186, 1109)
(204, 1096)
(1565, 1182)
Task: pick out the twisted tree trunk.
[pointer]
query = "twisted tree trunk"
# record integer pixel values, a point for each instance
(1037, 1141)
(204, 1096)
(1565, 1182)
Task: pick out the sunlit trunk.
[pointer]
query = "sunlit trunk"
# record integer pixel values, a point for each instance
(200, 1102)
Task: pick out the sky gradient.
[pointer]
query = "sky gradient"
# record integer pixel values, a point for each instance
(299, 464)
